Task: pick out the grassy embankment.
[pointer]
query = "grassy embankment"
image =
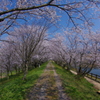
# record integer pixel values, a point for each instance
(15, 88)
(77, 89)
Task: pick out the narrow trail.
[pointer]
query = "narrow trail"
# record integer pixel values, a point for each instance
(48, 86)
(96, 84)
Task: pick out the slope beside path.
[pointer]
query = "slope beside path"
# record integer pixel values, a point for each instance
(96, 84)
(48, 86)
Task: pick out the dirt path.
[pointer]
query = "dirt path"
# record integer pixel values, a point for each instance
(48, 87)
(96, 84)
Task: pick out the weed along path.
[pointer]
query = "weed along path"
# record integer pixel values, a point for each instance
(48, 86)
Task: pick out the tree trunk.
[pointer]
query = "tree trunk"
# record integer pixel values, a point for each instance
(11, 73)
(1, 74)
(25, 72)
(19, 70)
(16, 69)
(7, 74)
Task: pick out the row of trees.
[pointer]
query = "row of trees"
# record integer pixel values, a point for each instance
(77, 50)
(28, 47)
(24, 50)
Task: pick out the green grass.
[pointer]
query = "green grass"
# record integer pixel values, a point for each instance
(15, 88)
(77, 89)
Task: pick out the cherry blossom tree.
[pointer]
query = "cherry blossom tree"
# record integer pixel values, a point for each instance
(12, 12)
(7, 58)
(27, 40)
(76, 49)
(83, 51)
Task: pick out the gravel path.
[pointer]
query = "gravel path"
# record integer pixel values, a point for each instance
(62, 94)
(96, 84)
(48, 86)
